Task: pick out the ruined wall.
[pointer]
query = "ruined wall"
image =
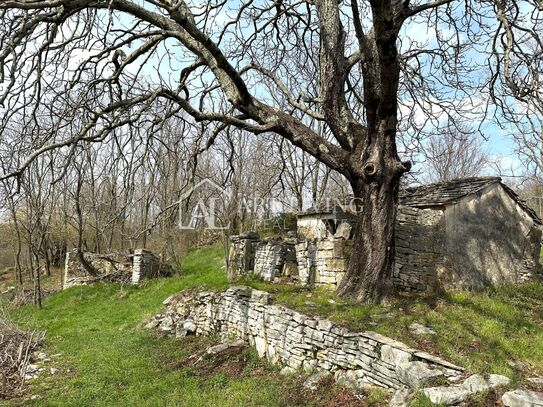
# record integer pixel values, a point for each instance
(323, 262)
(269, 258)
(301, 341)
(113, 267)
(241, 258)
(118, 265)
(146, 265)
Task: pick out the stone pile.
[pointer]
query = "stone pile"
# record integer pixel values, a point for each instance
(299, 341)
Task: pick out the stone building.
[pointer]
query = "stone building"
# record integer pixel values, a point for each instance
(468, 234)
(123, 267)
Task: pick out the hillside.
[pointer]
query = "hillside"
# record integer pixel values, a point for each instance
(104, 356)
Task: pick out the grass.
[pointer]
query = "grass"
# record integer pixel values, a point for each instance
(108, 359)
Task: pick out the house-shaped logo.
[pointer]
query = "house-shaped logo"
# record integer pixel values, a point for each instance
(203, 206)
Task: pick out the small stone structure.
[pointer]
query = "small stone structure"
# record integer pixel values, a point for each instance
(464, 234)
(300, 341)
(268, 258)
(115, 267)
(323, 261)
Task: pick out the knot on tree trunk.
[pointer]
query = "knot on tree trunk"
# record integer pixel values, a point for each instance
(370, 169)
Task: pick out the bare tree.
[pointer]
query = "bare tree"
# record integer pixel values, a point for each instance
(224, 67)
(457, 152)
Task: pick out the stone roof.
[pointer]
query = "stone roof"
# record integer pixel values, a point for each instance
(445, 193)
(450, 192)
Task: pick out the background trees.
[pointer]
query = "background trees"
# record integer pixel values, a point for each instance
(343, 82)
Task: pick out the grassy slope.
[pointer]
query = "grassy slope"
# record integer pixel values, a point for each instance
(113, 361)
(108, 359)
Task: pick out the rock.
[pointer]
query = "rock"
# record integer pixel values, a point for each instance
(168, 300)
(535, 380)
(346, 378)
(416, 374)
(261, 346)
(32, 368)
(313, 381)
(496, 380)
(394, 356)
(287, 370)
(53, 371)
(166, 324)
(180, 332)
(343, 231)
(522, 398)
(42, 356)
(152, 324)
(215, 350)
(452, 395)
(418, 329)
(444, 395)
(400, 398)
(189, 326)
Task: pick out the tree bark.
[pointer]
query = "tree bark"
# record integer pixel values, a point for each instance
(369, 273)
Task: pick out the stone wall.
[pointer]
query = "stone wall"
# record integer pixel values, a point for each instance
(323, 261)
(269, 258)
(115, 267)
(241, 258)
(301, 341)
(146, 265)
(419, 260)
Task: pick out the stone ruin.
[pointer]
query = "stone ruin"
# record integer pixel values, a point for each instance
(270, 258)
(121, 267)
(464, 234)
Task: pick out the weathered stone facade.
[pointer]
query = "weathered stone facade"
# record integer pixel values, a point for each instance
(323, 261)
(269, 258)
(300, 341)
(117, 267)
(465, 234)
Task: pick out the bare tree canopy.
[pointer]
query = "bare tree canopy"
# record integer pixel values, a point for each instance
(454, 153)
(340, 80)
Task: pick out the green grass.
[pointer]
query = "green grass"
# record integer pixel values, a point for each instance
(108, 359)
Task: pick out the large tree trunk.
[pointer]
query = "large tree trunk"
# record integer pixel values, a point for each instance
(369, 273)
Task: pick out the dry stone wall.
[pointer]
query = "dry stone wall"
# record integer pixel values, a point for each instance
(420, 252)
(300, 341)
(271, 255)
(323, 262)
